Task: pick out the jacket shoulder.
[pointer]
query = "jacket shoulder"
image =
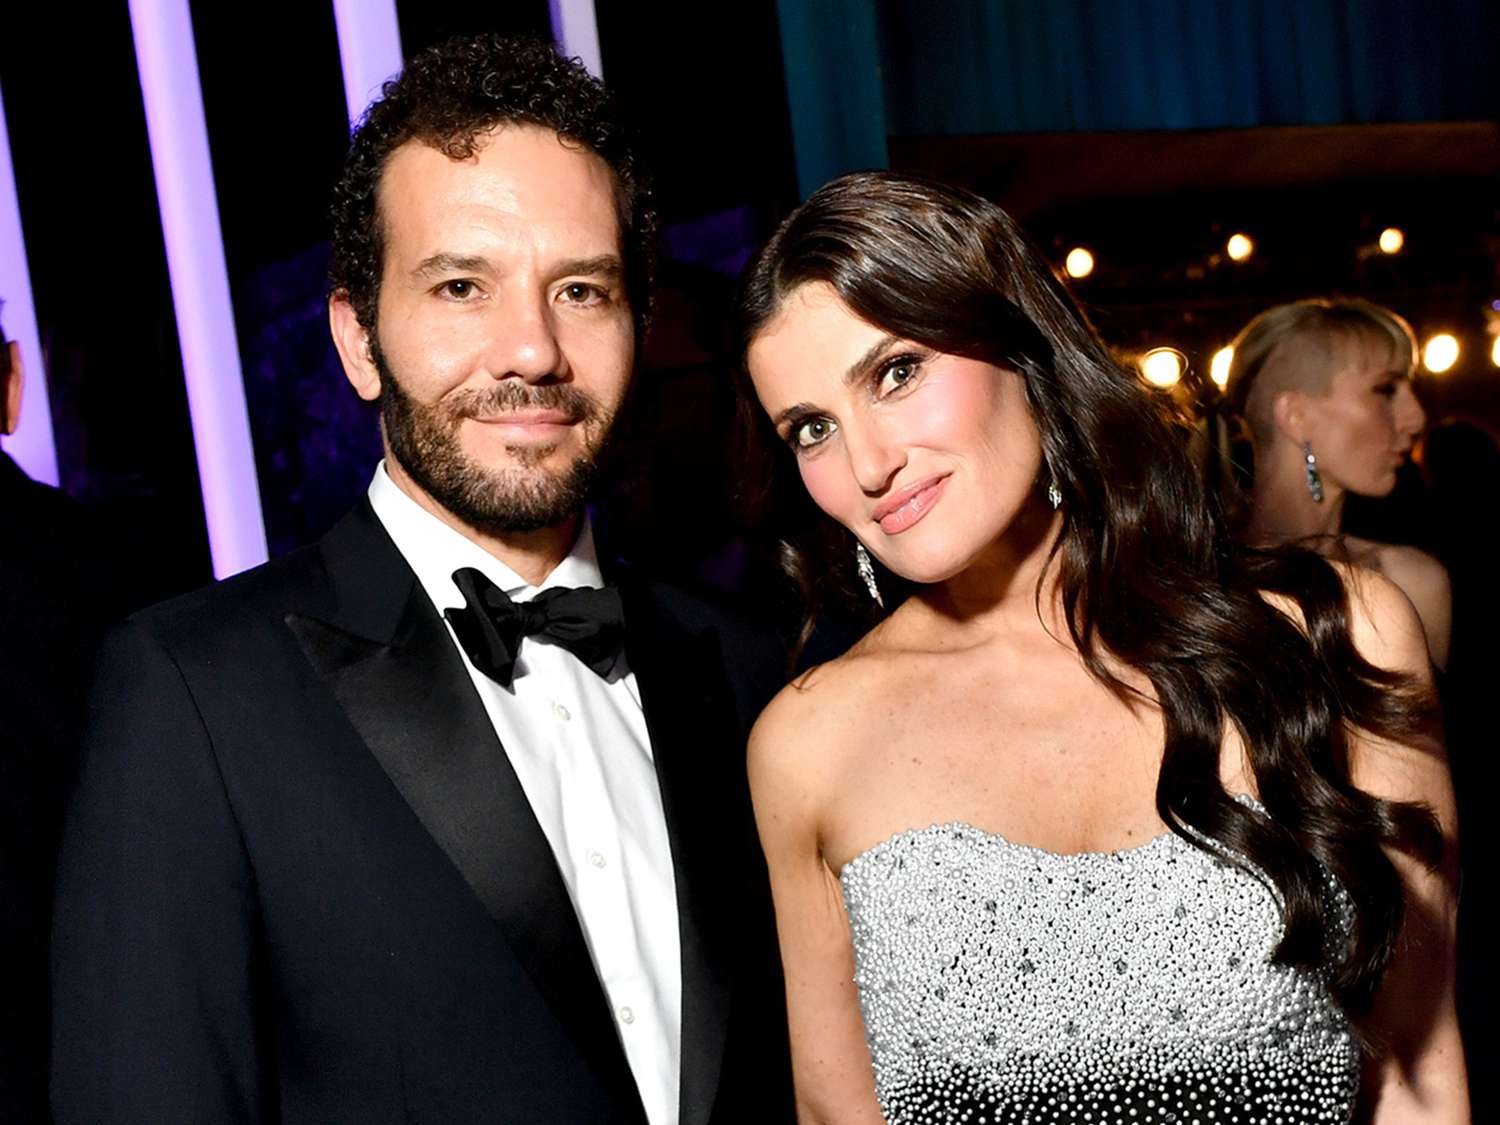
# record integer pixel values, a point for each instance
(238, 605)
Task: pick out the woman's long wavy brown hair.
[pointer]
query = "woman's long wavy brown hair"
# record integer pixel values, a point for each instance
(1149, 574)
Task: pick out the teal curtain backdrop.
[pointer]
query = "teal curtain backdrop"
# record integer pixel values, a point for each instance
(831, 51)
(861, 70)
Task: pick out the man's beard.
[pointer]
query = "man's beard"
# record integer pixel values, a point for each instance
(517, 498)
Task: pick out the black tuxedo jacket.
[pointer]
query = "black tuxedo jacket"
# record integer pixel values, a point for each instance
(300, 881)
(57, 596)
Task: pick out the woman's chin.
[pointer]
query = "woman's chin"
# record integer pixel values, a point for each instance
(1377, 488)
(928, 571)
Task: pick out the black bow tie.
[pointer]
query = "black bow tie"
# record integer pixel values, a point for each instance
(589, 623)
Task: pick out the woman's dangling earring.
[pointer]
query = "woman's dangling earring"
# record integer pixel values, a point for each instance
(866, 570)
(1314, 481)
(1054, 495)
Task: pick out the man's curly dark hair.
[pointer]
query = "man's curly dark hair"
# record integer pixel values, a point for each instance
(446, 97)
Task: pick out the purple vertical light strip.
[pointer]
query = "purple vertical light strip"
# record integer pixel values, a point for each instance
(31, 445)
(369, 49)
(575, 30)
(167, 60)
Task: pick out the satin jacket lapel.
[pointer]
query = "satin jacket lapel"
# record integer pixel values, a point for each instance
(388, 660)
(690, 717)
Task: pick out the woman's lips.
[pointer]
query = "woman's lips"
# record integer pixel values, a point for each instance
(903, 509)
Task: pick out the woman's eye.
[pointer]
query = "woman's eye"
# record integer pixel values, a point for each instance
(813, 432)
(895, 375)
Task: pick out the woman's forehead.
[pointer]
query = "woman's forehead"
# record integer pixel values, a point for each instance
(1369, 352)
(812, 323)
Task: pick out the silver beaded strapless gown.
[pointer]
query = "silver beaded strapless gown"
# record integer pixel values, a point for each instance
(1001, 983)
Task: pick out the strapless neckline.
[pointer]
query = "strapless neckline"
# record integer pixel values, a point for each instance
(895, 839)
(963, 828)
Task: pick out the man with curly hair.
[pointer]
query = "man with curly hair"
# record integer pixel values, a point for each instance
(425, 822)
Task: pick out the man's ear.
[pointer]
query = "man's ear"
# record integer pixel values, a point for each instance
(353, 344)
(10, 392)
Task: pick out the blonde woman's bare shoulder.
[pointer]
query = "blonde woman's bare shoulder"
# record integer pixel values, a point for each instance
(1419, 574)
(1404, 565)
(1424, 581)
(1388, 632)
(1383, 623)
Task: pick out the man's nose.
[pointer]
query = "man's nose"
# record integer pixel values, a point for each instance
(523, 339)
(875, 456)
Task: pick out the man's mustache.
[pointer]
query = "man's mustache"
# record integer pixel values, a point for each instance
(513, 395)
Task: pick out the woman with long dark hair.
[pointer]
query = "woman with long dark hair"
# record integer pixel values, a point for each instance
(1325, 389)
(1103, 819)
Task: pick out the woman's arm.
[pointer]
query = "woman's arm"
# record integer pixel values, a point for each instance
(1416, 1073)
(830, 1061)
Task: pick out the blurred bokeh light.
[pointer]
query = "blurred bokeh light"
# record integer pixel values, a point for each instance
(1440, 353)
(1080, 262)
(1162, 367)
(1218, 367)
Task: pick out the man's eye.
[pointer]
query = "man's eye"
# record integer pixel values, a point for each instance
(896, 374)
(813, 432)
(582, 293)
(459, 289)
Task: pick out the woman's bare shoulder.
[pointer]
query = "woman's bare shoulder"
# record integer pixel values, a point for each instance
(1420, 575)
(817, 721)
(1383, 623)
(1423, 581)
(1381, 619)
(827, 697)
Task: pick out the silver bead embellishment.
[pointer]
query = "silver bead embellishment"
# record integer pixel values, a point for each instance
(1149, 998)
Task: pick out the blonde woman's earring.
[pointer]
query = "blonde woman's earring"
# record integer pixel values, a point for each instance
(1314, 481)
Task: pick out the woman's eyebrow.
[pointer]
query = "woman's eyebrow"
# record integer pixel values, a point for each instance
(861, 367)
(793, 412)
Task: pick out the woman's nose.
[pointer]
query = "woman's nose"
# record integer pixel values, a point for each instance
(1410, 417)
(874, 456)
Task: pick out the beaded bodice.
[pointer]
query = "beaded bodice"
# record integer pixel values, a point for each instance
(1001, 983)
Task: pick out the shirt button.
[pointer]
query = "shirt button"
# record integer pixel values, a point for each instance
(627, 1015)
(597, 859)
(562, 713)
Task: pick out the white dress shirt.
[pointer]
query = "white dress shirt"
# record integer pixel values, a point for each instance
(579, 745)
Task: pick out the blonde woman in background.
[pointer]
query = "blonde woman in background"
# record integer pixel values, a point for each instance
(1325, 389)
